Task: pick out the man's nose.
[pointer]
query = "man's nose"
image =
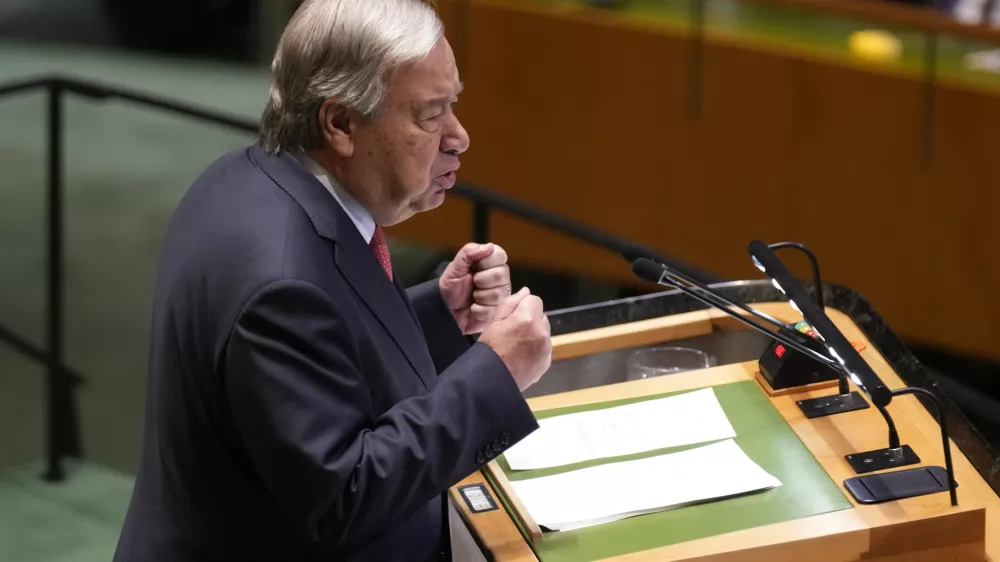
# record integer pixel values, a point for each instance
(456, 140)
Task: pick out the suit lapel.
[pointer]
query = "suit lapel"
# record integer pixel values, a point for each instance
(409, 305)
(366, 276)
(354, 258)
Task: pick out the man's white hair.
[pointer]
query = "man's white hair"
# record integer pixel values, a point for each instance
(341, 49)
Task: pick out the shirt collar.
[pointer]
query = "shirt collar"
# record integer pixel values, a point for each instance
(359, 215)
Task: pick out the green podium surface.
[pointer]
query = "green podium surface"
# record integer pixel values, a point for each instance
(764, 436)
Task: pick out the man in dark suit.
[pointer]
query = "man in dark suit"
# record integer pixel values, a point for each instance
(302, 405)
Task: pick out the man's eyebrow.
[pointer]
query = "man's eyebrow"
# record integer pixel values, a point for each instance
(445, 100)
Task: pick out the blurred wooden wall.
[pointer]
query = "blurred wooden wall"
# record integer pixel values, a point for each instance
(589, 115)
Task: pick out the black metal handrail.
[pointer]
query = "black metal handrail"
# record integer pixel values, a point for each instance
(62, 412)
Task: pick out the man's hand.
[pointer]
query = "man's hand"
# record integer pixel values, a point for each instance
(521, 336)
(474, 283)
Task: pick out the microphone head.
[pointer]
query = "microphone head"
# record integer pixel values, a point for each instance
(647, 270)
(756, 247)
(635, 251)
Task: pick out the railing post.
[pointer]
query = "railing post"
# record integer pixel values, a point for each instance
(481, 222)
(62, 430)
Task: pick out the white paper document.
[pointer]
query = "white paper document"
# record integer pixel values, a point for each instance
(674, 421)
(605, 493)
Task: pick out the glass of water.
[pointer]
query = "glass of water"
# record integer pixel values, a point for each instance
(656, 361)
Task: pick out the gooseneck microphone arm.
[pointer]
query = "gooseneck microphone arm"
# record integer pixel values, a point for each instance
(812, 259)
(944, 433)
(654, 272)
(893, 434)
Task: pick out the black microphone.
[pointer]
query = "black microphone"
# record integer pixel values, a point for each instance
(836, 343)
(634, 251)
(644, 267)
(878, 487)
(649, 270)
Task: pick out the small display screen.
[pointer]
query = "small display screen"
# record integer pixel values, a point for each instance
(477, 498)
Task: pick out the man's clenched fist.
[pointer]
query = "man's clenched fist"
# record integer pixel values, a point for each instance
(521, 336)
(474, 284)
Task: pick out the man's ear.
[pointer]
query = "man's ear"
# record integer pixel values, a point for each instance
(337, 125)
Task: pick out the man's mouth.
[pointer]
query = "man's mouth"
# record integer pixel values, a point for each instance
(446, 180)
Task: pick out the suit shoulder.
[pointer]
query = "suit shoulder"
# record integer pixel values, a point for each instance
(231, 169)
(234, 228)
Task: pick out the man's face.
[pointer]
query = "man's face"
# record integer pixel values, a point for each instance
(405, 159)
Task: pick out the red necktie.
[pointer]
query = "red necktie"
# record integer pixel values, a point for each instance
(381, 251)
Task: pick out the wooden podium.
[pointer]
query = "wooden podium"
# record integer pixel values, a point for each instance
(920, 529)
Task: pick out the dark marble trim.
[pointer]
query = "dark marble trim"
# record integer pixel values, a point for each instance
(962, 432)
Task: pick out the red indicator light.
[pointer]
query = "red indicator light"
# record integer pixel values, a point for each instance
(779, 350)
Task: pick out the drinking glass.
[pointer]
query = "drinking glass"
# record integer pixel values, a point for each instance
(656, 361)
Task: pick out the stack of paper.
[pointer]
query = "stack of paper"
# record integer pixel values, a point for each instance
(684, 419)
(609, 492)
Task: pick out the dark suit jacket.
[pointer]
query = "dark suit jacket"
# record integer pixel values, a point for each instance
(301, 406)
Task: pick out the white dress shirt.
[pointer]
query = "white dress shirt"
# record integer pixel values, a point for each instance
(361, 217)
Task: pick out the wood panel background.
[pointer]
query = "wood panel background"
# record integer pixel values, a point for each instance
(585, 114)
